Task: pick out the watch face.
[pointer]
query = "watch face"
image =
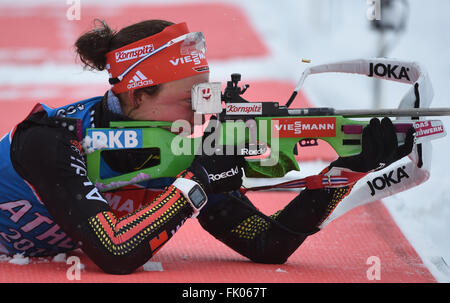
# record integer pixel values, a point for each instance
(197, 196)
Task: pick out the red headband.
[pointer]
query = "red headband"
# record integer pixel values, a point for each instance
(169, 64)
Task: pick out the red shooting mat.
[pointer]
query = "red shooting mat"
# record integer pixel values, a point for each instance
(340, 253)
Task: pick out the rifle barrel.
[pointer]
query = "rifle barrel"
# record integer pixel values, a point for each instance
(394, 112)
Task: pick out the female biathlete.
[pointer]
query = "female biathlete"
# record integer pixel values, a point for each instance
(48, 204)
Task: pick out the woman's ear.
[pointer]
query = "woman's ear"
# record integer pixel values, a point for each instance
(135, 98)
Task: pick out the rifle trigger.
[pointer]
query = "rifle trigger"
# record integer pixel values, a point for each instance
(296, 150)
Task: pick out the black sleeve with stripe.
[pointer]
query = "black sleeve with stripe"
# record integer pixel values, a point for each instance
(50, 159)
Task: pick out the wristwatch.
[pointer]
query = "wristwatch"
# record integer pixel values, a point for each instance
(193, 193)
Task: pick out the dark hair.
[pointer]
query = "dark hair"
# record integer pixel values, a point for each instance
(92, 46)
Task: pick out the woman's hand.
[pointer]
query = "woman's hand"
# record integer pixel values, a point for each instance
(379, 147)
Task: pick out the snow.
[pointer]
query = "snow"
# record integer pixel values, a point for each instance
(326, 31)
(4, 258)
(153, 266)
(19, 259)
(60, 258)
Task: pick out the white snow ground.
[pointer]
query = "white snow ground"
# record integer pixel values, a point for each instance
(326, 31)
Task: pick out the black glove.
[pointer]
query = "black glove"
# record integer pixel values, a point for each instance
(379, 147)
(218, 172)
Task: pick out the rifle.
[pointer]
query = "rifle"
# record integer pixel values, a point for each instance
(263, 128)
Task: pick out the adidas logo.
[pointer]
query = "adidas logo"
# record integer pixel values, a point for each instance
(139, 80)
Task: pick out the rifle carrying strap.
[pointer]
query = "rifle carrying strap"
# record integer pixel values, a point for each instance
(328, 178)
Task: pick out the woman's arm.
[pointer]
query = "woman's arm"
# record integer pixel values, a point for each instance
(52, 161)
